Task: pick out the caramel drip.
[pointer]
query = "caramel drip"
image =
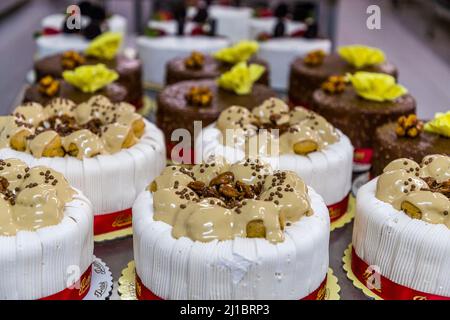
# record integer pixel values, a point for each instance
(405, 185)
(282, 199)
(243, 129)
(32, 198)
(111, 127)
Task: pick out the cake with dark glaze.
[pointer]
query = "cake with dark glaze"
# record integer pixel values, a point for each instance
(307, 76)
(179, 69)
(128, 69)
(113, 91)
(390, 144)
(175, 111)
(356, 116)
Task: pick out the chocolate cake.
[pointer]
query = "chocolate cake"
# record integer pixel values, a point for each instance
(306, 77)
(179, 107)
(388, 146)
(114, 91)
(207, 67)
(357, 117)
(129, 70)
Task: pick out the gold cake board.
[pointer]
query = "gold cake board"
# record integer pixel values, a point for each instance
(127, 289)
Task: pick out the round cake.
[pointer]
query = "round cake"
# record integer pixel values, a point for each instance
(401, 235)
(400, 140)
(56, 36)
(265, 25)
(200, 66)
(309, 72)
(128, 68)
(37, 92)
(358, 117)
(101, 148)
(225, 231)
(156, 52)
(298, 140)
(46, 238)
(232, 22)
(281, 52)
(178, 105)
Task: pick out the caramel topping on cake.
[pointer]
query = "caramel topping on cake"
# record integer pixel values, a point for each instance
(48, 86)
(408, 126)
(199, 96)
(334, 85)
(299, 131)
(31, 198)
(71, 59)
(245, 199)
(314, 58)
(195, 61)
(64, 128)
(421, 191)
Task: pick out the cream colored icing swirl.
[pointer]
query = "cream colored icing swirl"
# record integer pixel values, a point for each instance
(273, 129)
(63, 128)
(421, 191)
(218, 201)
(32, 198)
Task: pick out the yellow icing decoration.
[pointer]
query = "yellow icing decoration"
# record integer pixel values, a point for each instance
(90, 78)
(440, 124)
(361, 56)
(376, 86)
(105, 46)
(241, 77)
(242, 51)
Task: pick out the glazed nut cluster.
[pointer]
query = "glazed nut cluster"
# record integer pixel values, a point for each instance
(71, 59)
(199, 96)
(334, 85)
(409, 126)
(421, 191)
(49, 86)
(195, 61)
(64, 128)
(314, 58)
(216, 200)
(298, 131)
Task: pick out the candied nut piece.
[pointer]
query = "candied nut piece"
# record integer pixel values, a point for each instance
(223, 178)
(199, 96)
(408, 126)
(197, 186)
(334, 84)
(19, 140)
(256, 229)
(411, 210)
(228, 191)
(195, 61)
(314, 58)
(153, 186)
(245, 189)
(305, 147)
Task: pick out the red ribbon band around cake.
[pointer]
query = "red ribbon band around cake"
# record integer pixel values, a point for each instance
(387, 289)
(337, 210)
(363, 155)
(105, 223)
(144, 293)
(76, 292)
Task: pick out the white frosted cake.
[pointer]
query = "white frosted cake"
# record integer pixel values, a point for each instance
(156, 52)
(402, 230)
(59, 42)
(304, 143)
(221, 231)
(281, 52)
(46, 236)
(102, 149)
(232, 22)
(266, 25)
